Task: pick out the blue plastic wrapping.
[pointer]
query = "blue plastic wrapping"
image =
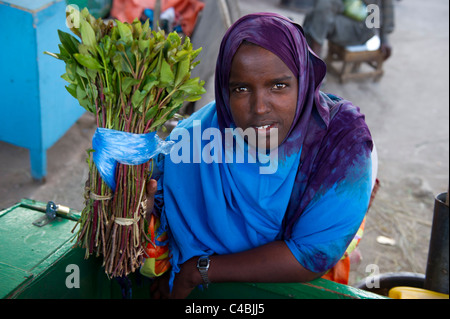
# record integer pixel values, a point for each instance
(112, 147)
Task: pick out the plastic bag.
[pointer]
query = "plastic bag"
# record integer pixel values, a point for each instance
(355, 9)
(158, 261)
(112, 147)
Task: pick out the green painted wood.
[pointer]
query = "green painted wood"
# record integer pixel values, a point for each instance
(52, 283)
(10, 277)
(35, 263)
(26, 250)
(316, 289)
(26, 246)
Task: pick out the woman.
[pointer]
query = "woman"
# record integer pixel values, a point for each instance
(294, 224)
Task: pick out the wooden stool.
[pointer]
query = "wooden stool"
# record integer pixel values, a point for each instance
(352, 58)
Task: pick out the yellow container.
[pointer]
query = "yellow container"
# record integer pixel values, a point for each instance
(415, 293)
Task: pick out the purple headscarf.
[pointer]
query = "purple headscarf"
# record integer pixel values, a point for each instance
(325, 127)
(284, 38)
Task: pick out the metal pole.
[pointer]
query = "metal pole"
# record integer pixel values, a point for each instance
(436, 277)
(157, 14)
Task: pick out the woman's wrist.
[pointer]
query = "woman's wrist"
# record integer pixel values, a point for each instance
(190, 274)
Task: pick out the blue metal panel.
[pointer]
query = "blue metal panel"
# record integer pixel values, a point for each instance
(36, 108)
(19, 123)
(59, 109)
(30, 5)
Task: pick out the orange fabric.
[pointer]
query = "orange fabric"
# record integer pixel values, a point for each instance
(155, 251)
(158, 253)
(186, 10)
(340, 272)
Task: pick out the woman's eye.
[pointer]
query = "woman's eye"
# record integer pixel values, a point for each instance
(240, 89)
(279, 86)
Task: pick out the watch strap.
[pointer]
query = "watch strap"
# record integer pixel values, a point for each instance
(203, 266)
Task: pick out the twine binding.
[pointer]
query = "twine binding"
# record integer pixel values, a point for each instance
(90, 195)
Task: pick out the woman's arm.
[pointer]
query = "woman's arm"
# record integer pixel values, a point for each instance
(272, 262)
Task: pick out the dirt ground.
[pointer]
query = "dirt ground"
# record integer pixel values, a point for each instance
(407, 111)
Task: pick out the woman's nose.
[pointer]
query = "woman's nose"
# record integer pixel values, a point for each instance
(260, 103)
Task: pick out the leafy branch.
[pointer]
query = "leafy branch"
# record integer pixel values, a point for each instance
(132, 79)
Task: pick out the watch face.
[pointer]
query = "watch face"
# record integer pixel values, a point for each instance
(203, 262)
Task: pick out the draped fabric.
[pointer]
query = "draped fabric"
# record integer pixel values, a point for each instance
(316, 198)
(187, 11)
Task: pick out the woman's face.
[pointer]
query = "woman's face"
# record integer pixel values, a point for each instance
(263, 93)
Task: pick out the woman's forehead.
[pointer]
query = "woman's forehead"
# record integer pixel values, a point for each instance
(256, 51)
(254, 60)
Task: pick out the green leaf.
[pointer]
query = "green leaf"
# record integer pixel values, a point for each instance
(127, 83)
(91, 73)
(71, 70)
(81, 94)
(69, 42)
(81, 72)
(182, 54)
(151, 113)
(153, 67)
(120, 64)
(83, 100)
(158, 47)
(137, 28)
(193, 98)
(85, 13)
(72, 89)
(174, 39)
(106, 44)
(86, 105)
(110, 57)
(138, 97)
(66, 78)
(88, 61)
(144, 45)
(150, 83)
(73, 19)
(195, 53)
(155, 125)
(183, 70)
(84, 49)
(125, 32)
(64, 55)
(87, 34)
(193, 86)
(166, 77)
(135, 48)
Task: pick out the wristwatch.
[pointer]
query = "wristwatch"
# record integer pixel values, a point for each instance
(203, 266)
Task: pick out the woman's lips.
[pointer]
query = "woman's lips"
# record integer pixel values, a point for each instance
(264, 128)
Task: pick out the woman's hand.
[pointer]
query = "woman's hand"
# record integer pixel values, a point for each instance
(185, 281)
(159, 289)
(150, 189)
